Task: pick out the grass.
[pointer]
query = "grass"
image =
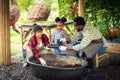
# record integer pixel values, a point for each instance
(15, 51)
(15, 42)
(15, 37)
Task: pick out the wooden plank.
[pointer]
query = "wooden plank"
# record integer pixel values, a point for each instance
(103, 55)
(43, 24)
(113, 48)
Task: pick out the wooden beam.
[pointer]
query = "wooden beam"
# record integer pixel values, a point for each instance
(113, 48)
(81, 8)
(5, 56)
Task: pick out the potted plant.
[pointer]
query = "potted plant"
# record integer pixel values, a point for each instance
(113, 33)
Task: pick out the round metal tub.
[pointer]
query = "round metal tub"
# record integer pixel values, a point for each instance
(55, 73)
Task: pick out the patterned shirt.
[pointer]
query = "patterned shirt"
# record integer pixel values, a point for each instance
(90, 33)
(76, 36)
(33, 44)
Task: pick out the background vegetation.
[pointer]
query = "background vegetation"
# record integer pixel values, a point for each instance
(104, 14)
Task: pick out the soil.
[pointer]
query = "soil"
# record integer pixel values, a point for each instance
(60, 61)
(15, 71)
(109, 70)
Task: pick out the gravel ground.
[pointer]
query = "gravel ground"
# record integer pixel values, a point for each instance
(109, 71)
(15, 71)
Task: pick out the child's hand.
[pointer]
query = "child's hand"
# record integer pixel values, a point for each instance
(40, 45)
(62, 48)
(63, 40)
(47, 48)
(42, 61)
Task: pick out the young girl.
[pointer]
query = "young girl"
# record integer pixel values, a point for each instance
(59, 33)
(37, 43)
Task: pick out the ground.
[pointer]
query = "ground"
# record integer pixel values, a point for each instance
(15, 71)
(109, 70)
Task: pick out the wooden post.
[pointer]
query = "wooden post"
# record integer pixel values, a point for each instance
(81, 8)
(5, 56)
(97, 60)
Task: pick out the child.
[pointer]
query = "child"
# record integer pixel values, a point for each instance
(37, 43)
(59, 33)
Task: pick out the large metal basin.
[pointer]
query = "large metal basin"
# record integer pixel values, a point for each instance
(55, 73)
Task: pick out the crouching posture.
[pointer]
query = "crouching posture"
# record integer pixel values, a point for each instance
(38, 44)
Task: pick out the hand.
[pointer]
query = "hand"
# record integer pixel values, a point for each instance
(40, 45)
(63, 40)
(62, 48)
(68, 40)
(42, 61)
(47, 48)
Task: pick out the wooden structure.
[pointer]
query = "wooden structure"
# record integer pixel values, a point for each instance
(5, 56)
(113, 48)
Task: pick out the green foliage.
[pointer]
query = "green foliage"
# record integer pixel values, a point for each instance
(54, 9)
(66, 11)
(15, 51)
(24, 4)
(70, 30)
(15, 37)
(49, 1)
(15, 42)
(64, 8)
(103, 14)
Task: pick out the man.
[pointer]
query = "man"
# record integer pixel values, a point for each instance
(90, 41)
